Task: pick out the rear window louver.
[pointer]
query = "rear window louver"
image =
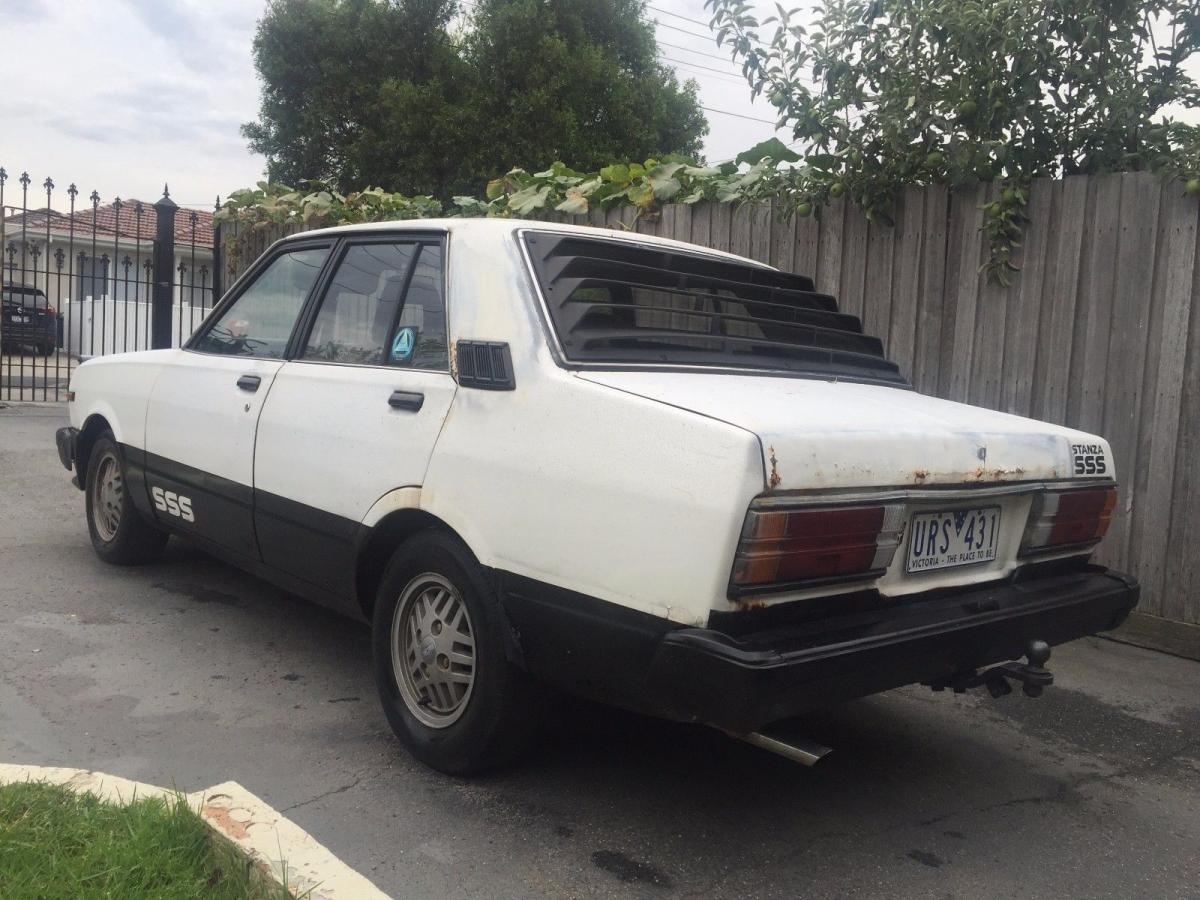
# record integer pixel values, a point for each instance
(614, 302)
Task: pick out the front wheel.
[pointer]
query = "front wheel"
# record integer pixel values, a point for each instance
(119, 533)
(447, 686)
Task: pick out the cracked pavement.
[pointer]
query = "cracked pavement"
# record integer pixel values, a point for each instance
(188, 672)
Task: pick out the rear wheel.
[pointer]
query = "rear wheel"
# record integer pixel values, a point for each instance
(46, 348)
(447, 687)
(119, 533)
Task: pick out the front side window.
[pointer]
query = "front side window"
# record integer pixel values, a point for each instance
(261, 319)
(384, 306)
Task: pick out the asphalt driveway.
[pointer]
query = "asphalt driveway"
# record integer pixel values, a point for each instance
(188, 672)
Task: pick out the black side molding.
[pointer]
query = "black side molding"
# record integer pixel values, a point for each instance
(486, 365)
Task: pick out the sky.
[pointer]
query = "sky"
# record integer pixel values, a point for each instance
(122, 96)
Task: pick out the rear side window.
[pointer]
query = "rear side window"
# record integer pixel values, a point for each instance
(384, 306)
(618, 302)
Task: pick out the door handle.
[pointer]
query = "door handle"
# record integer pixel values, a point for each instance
(249, 383)
(406, 400)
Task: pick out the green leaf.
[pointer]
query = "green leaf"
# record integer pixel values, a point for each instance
(575, 204)
(772, 148)
(618, 173)
(823, 162)
(663, 181)
(529, 199)
(664, 188)
(641, 194)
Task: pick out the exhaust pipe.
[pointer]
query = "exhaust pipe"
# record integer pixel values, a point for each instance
(805, 752)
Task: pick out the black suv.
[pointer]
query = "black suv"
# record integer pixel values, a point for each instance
(28, 318)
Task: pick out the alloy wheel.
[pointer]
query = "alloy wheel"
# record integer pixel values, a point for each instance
(433, 650)
(108, 491)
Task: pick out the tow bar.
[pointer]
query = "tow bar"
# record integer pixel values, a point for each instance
(1033, 675)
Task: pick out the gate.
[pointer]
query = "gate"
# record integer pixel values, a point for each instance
(80, 277)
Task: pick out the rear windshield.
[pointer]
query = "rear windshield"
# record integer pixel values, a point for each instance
(24, 296)
(616, 302)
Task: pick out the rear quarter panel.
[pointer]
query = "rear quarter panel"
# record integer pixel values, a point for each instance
(576, 484)
(596, 491)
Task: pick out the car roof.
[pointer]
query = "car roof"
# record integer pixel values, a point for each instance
(21, 288)
(504, 227)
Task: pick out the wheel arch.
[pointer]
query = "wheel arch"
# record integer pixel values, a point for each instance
(379, 543)
(93, 426)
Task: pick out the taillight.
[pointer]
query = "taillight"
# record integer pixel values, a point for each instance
(796, 547)
(1066, 518)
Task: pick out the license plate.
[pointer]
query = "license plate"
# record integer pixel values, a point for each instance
(956, 537)
(20, 320)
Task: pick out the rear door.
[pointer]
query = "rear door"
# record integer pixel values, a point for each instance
(205, 404)
(356, 412)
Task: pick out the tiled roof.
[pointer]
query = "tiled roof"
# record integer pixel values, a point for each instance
(188, 222)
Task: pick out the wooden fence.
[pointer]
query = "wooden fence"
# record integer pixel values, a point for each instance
(1100, 329)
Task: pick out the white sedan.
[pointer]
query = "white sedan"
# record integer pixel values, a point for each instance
(541, 456)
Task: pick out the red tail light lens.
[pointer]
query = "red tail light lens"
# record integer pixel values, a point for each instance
(1068, 518)
(782, 548)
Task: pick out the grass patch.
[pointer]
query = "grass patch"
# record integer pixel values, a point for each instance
(58, 843)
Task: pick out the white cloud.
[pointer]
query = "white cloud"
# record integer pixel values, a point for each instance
(121, 97)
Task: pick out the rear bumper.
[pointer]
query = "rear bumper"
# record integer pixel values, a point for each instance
(742, 683)
(39, 332)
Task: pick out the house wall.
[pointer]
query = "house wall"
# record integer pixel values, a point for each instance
(115, 318)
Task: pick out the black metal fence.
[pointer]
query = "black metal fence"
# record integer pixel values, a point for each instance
(81, 277)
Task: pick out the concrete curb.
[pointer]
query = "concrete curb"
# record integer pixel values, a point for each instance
(278, 846)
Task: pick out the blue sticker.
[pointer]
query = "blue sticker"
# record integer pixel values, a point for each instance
(405, 341)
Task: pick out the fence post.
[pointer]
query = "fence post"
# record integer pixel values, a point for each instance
(164, 267)
(218, 281)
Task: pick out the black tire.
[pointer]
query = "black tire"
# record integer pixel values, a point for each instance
(119, 533)
(46, 349)
(501, 711)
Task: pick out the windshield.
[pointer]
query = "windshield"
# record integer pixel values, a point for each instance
(617, 302)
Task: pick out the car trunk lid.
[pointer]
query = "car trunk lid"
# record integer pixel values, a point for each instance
(820, 435)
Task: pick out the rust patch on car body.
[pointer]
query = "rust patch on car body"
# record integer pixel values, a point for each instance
(984, 474)
(748, 603)
(774, 479)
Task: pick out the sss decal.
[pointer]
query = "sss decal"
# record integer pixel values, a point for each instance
(1089, 459)
(173, 503)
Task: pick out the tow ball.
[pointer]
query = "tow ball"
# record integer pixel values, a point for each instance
(1032, 675)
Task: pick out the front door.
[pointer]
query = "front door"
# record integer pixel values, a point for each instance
(205, 404)
(356, 412)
